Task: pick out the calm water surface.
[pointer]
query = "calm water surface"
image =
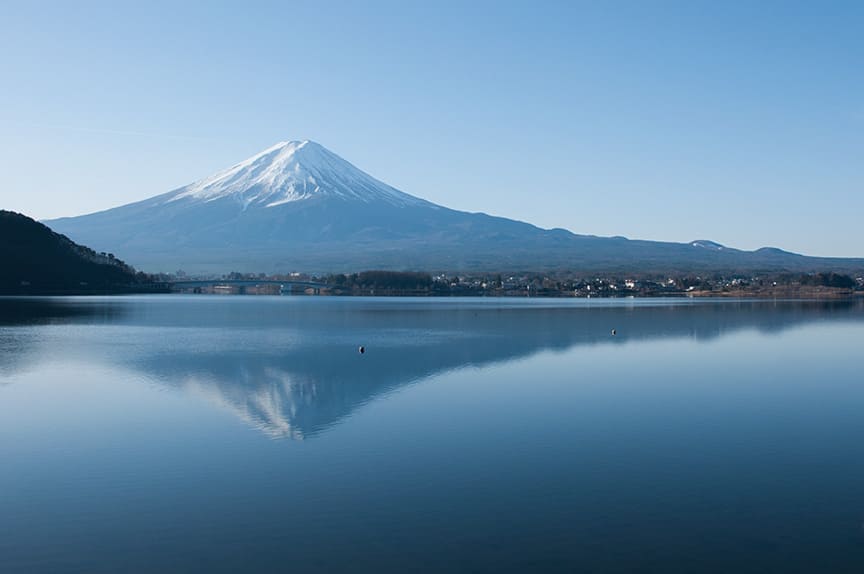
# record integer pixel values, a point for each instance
(210, 434)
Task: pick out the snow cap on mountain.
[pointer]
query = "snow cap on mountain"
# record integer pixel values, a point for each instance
(292, 171)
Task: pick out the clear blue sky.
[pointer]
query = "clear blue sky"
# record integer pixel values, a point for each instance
(741, 122)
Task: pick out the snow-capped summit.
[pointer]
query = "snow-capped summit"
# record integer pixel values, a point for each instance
(291, 171)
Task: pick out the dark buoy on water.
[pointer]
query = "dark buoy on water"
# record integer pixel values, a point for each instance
(362, 349)
(614, 332)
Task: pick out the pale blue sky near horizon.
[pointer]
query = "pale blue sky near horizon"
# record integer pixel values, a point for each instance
(739, 122)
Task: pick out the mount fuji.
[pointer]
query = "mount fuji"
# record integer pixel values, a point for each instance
(299, 206)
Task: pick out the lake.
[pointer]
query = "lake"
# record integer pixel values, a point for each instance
(248, 434)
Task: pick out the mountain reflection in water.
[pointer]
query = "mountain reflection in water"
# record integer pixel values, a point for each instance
(290, 366)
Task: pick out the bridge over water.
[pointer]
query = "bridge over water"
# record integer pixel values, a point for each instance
(284, 286)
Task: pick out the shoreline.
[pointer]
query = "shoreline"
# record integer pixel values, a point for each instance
(785, 295)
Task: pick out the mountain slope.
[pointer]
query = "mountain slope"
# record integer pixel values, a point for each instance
(34, 259)
(298, 206)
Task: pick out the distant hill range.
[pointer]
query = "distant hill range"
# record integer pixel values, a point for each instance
(34, 259)
(299, 206)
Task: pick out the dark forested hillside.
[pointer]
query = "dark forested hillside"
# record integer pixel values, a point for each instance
(34, 259)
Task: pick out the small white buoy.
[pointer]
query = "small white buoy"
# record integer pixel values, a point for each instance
(362, 349)
(614, 332)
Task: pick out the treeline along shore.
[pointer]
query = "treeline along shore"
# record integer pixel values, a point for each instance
(564, 284)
